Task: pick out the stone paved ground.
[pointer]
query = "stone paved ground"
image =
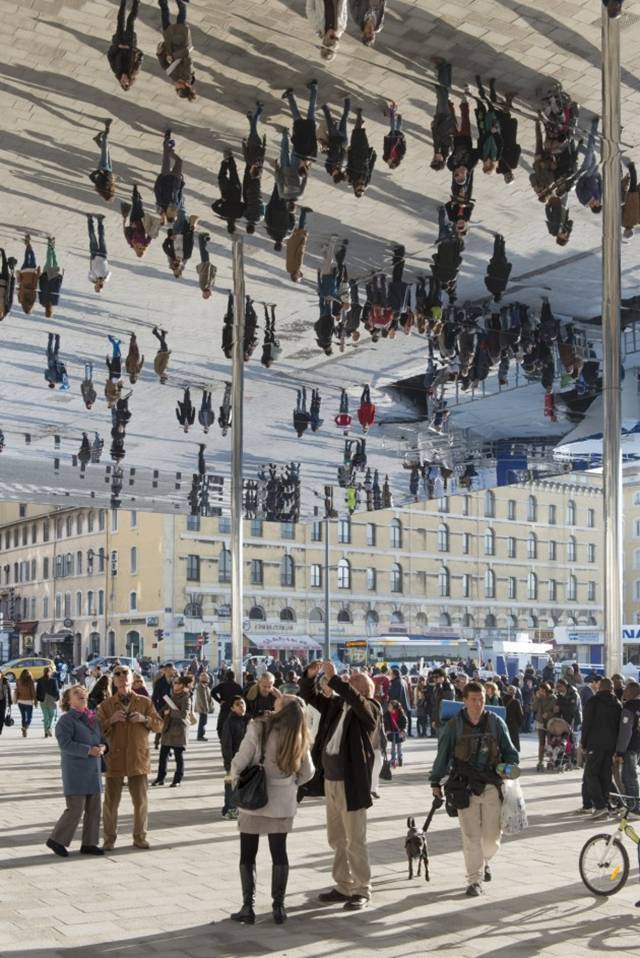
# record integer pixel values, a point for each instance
(174, 900)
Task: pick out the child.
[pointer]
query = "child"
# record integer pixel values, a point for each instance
(174, 734)
(233, 732)
(102, 178)
(395, 724)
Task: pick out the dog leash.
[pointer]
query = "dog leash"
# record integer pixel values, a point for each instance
(435, 805)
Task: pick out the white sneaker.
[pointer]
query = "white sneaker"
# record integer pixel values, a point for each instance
(599, 813)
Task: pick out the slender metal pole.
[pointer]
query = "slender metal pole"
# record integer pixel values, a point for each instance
(611, 336)
(327, 636)
(237, 583)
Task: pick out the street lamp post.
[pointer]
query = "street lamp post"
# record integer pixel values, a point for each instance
(327, 598)
(237, 596)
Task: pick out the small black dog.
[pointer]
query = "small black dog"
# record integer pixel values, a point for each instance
(415, 844)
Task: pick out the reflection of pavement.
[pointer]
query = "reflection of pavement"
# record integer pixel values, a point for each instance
(162, 902)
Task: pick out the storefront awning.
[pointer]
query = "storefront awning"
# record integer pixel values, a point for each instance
(293, 642)
(56, 636)
(27, 628)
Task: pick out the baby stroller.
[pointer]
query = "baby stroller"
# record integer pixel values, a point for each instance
(559, 747)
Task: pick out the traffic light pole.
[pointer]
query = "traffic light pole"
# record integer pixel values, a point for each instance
(327, 597)
(611, 335)
(237, 596)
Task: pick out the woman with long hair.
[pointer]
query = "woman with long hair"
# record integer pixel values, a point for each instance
(47, 693)
(284, 736)
(25, 698)
(100, 691)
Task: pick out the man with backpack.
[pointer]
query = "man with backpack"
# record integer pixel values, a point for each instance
(472, 746)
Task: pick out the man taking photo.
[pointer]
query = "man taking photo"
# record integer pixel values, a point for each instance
(472, 745)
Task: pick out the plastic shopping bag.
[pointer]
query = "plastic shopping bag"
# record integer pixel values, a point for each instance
(513, 818)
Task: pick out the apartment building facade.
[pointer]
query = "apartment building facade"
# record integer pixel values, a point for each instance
(519, 559)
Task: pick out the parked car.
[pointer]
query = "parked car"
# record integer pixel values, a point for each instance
(107, 662)
(35, 664)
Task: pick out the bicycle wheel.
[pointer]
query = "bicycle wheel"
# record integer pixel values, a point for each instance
(604, 865)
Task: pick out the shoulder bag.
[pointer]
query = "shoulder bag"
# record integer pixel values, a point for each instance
(250, 790)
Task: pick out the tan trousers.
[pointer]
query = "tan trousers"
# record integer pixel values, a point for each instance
(65, 827)
(480, 826)
(347, 835)
(137, 785)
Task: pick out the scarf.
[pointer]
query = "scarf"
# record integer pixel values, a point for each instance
(88, 714)
(333, 745)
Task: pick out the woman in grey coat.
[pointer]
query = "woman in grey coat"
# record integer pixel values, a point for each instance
(282, 736)
(81, 748)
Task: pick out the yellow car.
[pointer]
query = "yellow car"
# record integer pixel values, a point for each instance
(35, 664)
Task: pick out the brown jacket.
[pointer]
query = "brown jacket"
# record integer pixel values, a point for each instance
(161, 362)
(631, 210)
(28, 288)
(176, 724)
(128, 742)
(296, 245)
(176, 46)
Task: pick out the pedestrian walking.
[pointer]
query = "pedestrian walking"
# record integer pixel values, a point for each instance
(361, 157)
(50, 282)
(395, 144)
(175, 715)
(271, 348)
(134, 362)
(230, 206)
(174, 52)
(205, 269)
(329, 20)
(599, 738)
(336, 142)
(366, 410)
(290, 174)
(169, 184)
(628, 744)
(443, 125)
(125, 59)
(395, 726)
(102, 178)
(114, 362)
(279, 220)
(56, 371)
(631, 204)
(301, 417)
(224, 694)
(202, 704)
(498, 270)
(81, 750)
(303, 134)
(25, 698)
(87, 388)
(472, 746)
(47, 694)
(589, 182)
(296, 246)
(369, 16)
(126, 720)
(161, 360)
(28, 276)
(142, 227)
(233, 732)
(7, 283)
(99, 272)
(206, 415)
(186, 412)
(281, 743)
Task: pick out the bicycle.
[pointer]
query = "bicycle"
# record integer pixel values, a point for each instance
(604, 861)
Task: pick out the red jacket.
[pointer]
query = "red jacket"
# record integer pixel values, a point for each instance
(343, 420)
(366, 414)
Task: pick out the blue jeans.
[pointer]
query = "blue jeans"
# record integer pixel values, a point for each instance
(396, 746)
(26, 713)
(630, 779)
(105, 154)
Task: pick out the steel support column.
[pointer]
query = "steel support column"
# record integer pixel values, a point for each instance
(237, 581)
(611, 338)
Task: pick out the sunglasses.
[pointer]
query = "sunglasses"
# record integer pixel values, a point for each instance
(122, 672)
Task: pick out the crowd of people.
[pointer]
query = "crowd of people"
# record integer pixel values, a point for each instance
(325, 729)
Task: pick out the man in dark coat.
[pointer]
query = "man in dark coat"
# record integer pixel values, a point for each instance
(230, 206)
(600, 726)
(125, 59)
(224, 693)
(349, 723)
(233, 732)
(498, 270)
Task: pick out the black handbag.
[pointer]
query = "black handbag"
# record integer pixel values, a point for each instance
(250, 791)
(9, 720)
(385, 771)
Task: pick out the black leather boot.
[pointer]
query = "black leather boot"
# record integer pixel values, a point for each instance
(247, 915)
(279, 878)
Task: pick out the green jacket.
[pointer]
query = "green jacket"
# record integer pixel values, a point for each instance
(447, 744)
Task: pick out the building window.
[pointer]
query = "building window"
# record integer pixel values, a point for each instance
(133, 601)
(45, 567)
(34, 534)
(489, 543)
(287, 615)
(101, 602)
(33, 571)
(133, 519)
(224, 525)
(532, 509)
(316, 530)
(193, 568)
(58, 605)
(489, 504)
(316, 576)
(552, 550)
(553, 590)
(78, 563)
(396, 618)
(114, 520)
(572, 589)
(443, 538)
(466, 586)
(224, 566)
(343, 617)
(67, 605)
(571, 513)
(256, 528)
(69, 527)
(490, 584)
(443, 504)
(571, 549)
(532, 546)
(45, 530)
(371, 534)
(78, 604)
(257, 574)
(396, 577)
(532, 585)
(591, 518)
(344, 531)
(637, 528)
(512, 547)
(591, 592)
(193, 523)
(513, 587)
(133, 560)
(316, 615)
(256, 614)
(372, 579)
(444, 582)
(465, 505)
(344, 574)
(16, 534)
(636, 590)
(102, 520)
(91, 520)
(102, 558)
(466, 543)
(396, 534)
(552, 515)
(287, 530)
(287, 573)
(591, 553)
(45, 607)
(80, 523)
(511, 510)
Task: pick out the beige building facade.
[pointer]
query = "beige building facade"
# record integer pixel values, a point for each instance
(486, 565)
